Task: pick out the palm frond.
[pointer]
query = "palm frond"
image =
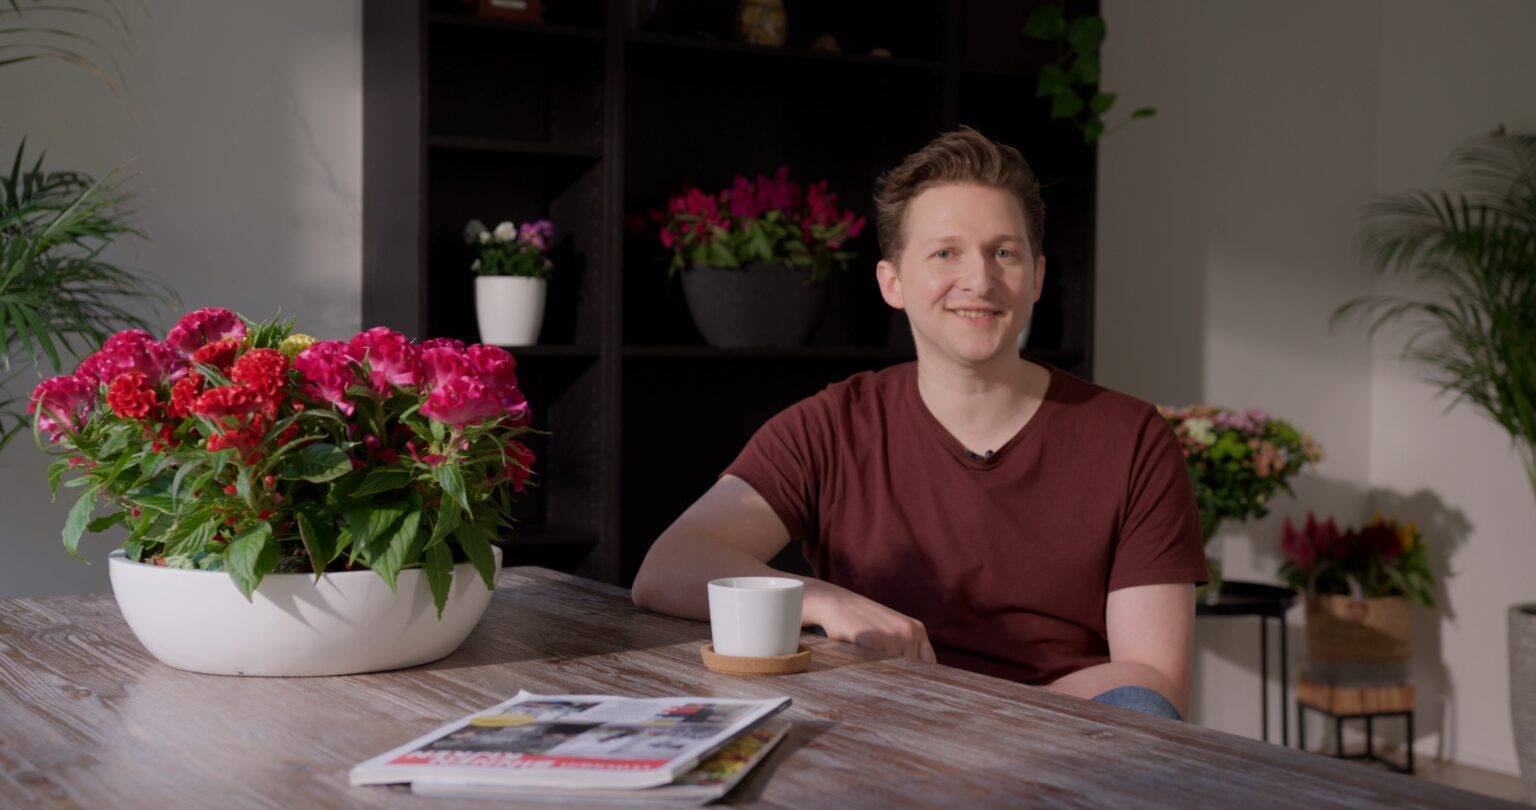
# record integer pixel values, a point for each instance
(1473, 253)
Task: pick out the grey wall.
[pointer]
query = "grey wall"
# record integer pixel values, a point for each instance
(243, 123)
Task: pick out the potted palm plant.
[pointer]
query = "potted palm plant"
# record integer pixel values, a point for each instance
(755, 242)
(59, 295)
(1473, 250)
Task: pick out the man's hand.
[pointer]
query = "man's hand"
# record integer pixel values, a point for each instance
(847, 616)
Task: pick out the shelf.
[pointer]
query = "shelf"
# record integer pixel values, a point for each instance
(513, 147)
(577, 352)
(667, 41)
(562, 548)
(462, 21)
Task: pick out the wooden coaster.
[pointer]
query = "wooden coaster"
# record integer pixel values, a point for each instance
(743, 665)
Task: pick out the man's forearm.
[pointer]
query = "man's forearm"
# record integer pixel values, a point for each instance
(1093, 681)
(675, 576)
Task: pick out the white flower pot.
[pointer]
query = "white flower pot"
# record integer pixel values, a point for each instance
(345, 623)
(510, 309)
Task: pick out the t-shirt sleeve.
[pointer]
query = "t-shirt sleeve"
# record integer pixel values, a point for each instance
(1159, 540)
(785, 462)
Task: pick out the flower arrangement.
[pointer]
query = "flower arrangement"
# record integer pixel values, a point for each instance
(770, 220)
(1381, 558)
(243, 447)
(511, 250)
(1238, 460)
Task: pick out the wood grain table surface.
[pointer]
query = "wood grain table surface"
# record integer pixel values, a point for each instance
(89, 719)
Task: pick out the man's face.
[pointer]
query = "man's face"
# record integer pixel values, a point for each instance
(967, 276)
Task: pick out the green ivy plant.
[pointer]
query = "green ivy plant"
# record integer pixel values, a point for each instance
(1072, 82)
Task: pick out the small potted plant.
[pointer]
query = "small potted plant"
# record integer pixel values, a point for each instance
(511, 282)
(1238, 461)
(293, 506)
(755, 257)
(1358, 585)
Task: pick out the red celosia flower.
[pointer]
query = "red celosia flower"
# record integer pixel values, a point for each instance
(520, 467)
(131, 396)
(220, 354)
(200, 327)
(183, 394)
(227, 400)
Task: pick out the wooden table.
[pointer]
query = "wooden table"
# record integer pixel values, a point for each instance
(88, 719)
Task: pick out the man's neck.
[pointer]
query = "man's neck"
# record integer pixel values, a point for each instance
(982, 406)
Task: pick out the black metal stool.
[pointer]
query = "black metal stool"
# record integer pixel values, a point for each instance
(1239, 598)
(1391, 701)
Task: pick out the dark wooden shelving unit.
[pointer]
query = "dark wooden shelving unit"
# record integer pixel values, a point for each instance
(598, 115)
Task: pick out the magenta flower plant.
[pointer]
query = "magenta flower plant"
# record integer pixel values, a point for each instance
(772, 219)
(242, 447)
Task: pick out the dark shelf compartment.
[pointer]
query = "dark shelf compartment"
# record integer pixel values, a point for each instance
(646, 40)
(540, 29)
(510, 146)
(563, 548)
(554, 351)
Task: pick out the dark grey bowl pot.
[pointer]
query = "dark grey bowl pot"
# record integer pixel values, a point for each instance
(758, 304)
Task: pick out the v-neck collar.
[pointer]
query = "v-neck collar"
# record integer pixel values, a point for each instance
(959, 450)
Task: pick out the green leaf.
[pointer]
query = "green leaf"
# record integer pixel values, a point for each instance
(55, 471)
(195, 540)
(1144, 112)
(475, 539)
(1101, 102)
(1053, 80)
(1092, 131)
(320, 538)
(1085, 69)
(1085, 34)
(384, 479)
(154, 494)
(105, 522)
(368, 523)
(447, 521)
(439, 570)
(317, 463)
(1066, 105)
(250, 557)
(451, 479)
(79, 519)
(1046, 22)
(400, 547)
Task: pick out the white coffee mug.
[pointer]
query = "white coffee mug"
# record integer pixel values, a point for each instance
(756, 617)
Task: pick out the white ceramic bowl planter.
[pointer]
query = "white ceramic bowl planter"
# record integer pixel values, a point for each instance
(510, 309)
(345, 623)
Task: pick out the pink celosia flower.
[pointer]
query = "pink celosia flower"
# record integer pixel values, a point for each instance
(520, 466)
(440, 364)
(203, 326)
(462, 401)
(496, 367)
(391, 359)
(441, 343)
(327, 370)
(537, 233)
(133, 350)
(62, 403)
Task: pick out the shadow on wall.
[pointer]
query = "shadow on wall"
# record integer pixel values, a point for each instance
(1445, 530)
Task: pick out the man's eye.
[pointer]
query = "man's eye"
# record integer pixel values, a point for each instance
(1004, 252)
(943, 253)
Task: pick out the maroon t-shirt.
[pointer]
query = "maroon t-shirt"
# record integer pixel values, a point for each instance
(1006, 561)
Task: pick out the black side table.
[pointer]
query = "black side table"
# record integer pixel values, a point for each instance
(1267, 602)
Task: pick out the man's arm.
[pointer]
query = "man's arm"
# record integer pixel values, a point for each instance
(1151, 644)
(731, 531)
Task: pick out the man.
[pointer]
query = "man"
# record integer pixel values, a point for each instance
(972, 507)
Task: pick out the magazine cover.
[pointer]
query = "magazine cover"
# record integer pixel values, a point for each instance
(571, 741)
(713, 778)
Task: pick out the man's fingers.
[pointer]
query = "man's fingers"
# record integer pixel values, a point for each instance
(928, 654)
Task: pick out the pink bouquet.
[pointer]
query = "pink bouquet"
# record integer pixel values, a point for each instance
(243, 447)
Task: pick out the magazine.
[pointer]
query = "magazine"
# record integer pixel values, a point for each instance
(716, 776)
(571, 741)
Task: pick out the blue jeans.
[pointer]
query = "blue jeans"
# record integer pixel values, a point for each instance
(1141, 699)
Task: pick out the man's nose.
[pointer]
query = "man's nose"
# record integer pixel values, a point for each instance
(976, 273)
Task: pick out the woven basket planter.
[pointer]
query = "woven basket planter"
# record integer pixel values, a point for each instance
(1359, 642)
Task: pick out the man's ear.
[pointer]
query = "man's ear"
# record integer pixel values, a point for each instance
(1039, 276)
(890, 284)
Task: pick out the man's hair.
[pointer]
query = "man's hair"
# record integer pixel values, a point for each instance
(961, 156)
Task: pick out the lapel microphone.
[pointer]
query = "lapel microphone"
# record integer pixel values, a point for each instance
(979, 456)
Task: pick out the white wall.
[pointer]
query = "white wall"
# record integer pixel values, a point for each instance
(1226, 238)
(244, 125)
